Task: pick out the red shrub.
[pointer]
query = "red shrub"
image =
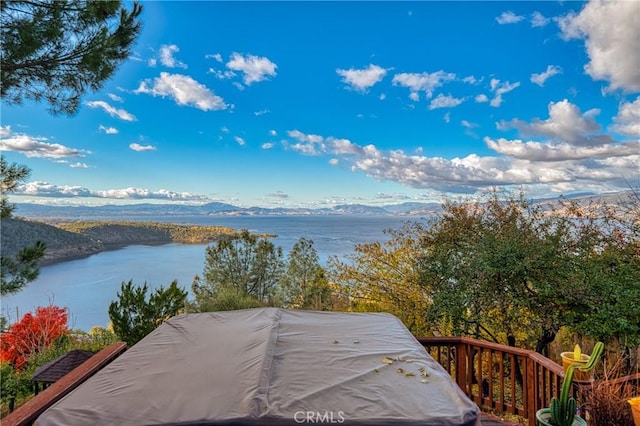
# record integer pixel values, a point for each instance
(32, 334)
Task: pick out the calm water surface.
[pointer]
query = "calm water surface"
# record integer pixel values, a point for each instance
(87, 286)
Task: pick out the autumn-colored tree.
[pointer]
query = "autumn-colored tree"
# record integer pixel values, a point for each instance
(32, 334)
(384, 277)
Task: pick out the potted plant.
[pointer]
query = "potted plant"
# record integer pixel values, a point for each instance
(575, 357)
(562, 411)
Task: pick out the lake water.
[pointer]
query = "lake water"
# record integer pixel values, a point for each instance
(87, 286)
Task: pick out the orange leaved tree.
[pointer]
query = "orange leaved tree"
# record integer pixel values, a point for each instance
(32, 334)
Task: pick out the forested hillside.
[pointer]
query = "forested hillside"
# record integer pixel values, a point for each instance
(70, 240)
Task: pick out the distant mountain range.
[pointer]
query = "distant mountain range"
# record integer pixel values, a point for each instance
(222, 209)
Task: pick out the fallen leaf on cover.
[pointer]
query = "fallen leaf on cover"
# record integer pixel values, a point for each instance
(409, 374)
(424, 381)
(387, 360)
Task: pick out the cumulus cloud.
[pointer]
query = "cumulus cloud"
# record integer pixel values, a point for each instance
(611, 30)
(509, 18)
(307, 144)
(184, 90)
(362, 79)
(471, 80)
(79, 166)
(45, 189)
(565, 124)
(481, 98)
(540, 79)
(627, 122)
(140, 148)
(108, 130)
(273, 132)
(36, 146)
(538, 20)
(425, 81)
(499, 89)
(539, 151)
(166, 56)
(442, 101)
(254, 68)
(240, 141)
(268, 145)
(112, 111)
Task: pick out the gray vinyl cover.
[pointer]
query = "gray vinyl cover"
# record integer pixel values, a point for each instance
(270, 366)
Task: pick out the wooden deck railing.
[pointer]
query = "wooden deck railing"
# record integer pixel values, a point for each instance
(27, 413)
(498, 377)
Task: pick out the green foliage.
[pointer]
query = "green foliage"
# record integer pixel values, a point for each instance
(563, 409)
(248, 264)
(513, 272)
(226, 299)
(56, 50)
(304, 284)
(17, 271)
(11, 176)
(133, 316)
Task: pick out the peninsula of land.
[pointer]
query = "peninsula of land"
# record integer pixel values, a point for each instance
(68, 240)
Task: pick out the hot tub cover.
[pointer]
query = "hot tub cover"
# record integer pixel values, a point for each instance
(270, 366)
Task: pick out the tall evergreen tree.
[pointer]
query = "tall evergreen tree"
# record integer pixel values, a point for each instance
(56, 50)
(18, 271)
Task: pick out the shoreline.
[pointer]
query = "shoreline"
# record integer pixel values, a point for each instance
(111, 247)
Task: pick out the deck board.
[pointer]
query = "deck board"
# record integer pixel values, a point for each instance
(490, 420)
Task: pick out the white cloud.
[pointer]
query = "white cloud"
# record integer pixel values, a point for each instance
(78, 166)
(540, 79)
(382, 96)
(140, 148)
(268, 145)
(468, 124)
(423, 82)
(539, 151)
(166, 56)
(362, 79)
(627, 122)
(509, 18)
(565, 124)
(307, 144)
(45, 189)
(216, 56)
(152, 62)
(184, 90)
(254, 68)
(481, 98)
(414, 96)
(611, 30)
(261, 112)
(334, 161)
(224, 129)
(115, 97)
(114, 112)
(273, 132)
(240, 141)
(471, 80)
(447, 117)
(442, 101)
(538, 20)
(108, 130)
(5, 131)
(222, 75)
(36, 146)
(500, 89)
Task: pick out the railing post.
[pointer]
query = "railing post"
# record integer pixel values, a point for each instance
(530, 386)
(461, 367)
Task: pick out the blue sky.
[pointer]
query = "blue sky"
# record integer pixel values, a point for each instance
(319, 103)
